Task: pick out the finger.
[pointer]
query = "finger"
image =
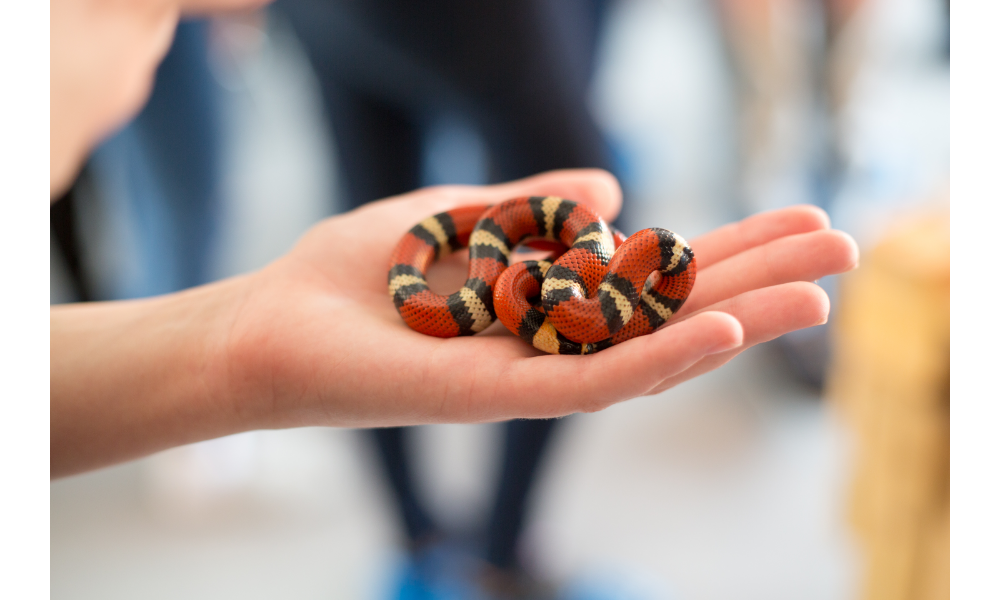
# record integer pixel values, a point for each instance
(729, 240)
(596, 188)
(764, 315)
(802, 257)
(559, 385)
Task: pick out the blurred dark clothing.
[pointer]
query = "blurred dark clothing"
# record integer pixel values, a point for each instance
(63, 229)
(524, 445)
(518, 70)
(387, 68)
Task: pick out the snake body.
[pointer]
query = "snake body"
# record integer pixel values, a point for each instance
(597, 289)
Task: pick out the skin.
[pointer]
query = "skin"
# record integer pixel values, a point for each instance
(314, 339)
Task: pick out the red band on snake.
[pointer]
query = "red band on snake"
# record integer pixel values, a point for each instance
(601, 289)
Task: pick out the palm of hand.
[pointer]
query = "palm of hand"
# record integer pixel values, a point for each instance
(319, 340)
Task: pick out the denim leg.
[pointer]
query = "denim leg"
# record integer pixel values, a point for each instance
(524, 447)
(392, 443)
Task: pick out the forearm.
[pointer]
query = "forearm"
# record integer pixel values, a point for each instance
(135, 377)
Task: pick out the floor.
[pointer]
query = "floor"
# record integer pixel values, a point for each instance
(729, 486)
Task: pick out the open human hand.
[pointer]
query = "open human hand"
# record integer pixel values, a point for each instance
(314, 338)
(318, 341)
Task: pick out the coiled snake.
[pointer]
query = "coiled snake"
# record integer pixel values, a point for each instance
(601, 289)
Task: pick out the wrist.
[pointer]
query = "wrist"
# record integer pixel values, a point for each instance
(254, 366)
(135, 377)
(236, 371)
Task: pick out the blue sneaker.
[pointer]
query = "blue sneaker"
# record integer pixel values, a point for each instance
(440, 571)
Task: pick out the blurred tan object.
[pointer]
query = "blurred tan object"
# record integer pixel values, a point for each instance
(890, 379)
(770, 47)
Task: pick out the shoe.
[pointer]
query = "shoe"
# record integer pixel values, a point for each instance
(441, 570)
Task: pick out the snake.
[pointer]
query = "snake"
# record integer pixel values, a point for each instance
(596, 288)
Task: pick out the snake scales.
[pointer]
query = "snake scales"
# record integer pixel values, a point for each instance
(597, 288)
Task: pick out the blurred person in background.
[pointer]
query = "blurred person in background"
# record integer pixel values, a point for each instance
(388, 70)
(519, 73)
(795, 61)
(131, 378)
(796, 64)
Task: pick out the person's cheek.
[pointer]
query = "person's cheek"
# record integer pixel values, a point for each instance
(104, 55)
